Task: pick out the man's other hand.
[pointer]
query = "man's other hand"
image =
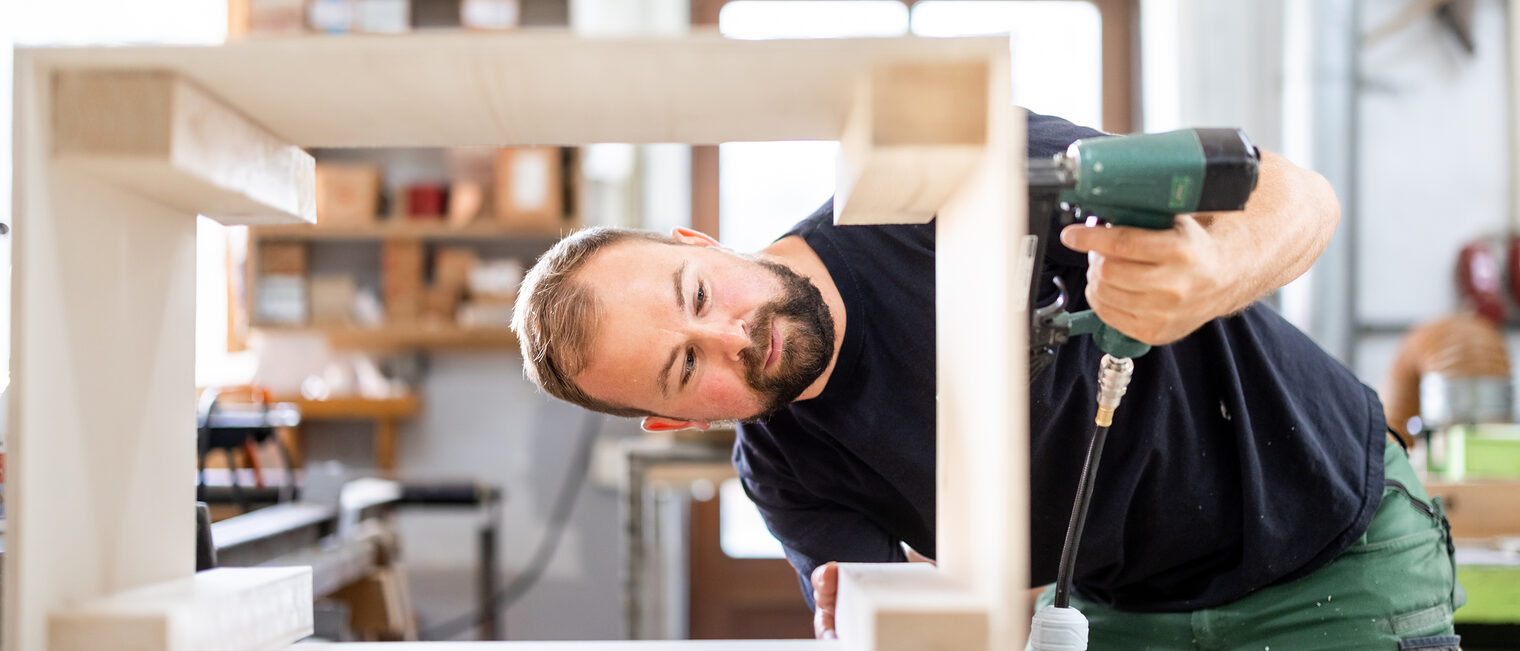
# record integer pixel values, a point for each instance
(825, 592)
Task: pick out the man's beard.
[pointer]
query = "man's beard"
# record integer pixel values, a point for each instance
(806, 348)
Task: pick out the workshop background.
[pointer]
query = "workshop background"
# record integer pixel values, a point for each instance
(385, 323)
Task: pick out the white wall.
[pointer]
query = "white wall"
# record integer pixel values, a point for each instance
(1209, 63)
(1433, 168)
(1416, 147)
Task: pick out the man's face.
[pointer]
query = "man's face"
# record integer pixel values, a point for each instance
(701, 334)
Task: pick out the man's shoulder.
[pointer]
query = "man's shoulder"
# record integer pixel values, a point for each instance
(764, 447)
(1050, 135)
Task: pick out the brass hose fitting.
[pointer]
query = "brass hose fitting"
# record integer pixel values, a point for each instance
(1113, 380)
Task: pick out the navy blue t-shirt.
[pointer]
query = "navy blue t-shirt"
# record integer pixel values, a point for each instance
(1243, 455)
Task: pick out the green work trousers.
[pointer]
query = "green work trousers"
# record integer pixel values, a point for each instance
(1394, 589)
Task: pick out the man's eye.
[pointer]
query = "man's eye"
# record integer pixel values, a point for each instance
(701, 298)
(689, 366)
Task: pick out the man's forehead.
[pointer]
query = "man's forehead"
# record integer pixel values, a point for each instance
(633, 255)
(645, 267)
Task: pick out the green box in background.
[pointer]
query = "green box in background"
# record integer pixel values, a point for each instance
(1490, 451)
(1491, 577)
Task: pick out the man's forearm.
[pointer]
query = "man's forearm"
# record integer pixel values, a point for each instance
(1159, 285)
(1284, 228)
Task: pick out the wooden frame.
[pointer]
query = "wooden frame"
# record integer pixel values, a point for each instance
(100, 496)
(111, 168)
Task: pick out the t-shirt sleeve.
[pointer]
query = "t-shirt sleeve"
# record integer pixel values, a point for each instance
(812, 529)
(1048, 136)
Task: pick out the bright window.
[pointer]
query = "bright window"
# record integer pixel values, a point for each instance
(1055, 49)
(766, 187)
(1056, 56)
(769, 19)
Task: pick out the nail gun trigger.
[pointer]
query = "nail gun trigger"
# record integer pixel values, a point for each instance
(1070, 214)
(1047, 330)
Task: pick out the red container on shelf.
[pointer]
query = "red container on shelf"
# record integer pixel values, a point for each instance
(425, 200)
(1478, 281)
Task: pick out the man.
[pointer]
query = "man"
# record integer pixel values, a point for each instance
(1241, 501)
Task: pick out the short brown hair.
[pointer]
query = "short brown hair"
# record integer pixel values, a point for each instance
(555, 316)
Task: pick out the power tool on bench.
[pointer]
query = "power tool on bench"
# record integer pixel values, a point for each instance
(1142, 181)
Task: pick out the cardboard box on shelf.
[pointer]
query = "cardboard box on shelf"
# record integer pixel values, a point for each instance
(530, 188)
(401, 263)
(452, 266)
(332, 299)
(439, 304)
(347, 194)
(276, 17)
(282, 258)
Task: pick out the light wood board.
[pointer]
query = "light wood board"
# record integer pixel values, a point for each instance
(228, 609)
(534, 88)
(157, 135)
(101, 424)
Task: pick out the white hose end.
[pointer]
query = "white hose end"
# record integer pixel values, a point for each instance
(1058, 629)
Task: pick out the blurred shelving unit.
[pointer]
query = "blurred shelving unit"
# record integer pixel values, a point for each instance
(385, 413)
(413, 249)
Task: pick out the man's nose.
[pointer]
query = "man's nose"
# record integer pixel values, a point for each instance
(728, 339)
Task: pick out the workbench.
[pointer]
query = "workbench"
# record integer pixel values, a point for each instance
(655, 467)
(385, 413)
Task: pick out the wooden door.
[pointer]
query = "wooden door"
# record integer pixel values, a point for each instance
(740, 598)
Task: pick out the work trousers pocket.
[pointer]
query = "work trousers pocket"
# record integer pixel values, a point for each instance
(1412, 534)
(1432, 643)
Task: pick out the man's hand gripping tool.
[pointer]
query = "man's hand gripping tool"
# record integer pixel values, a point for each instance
(1141, 180)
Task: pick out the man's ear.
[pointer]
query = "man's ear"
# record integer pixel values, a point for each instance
(661, 424)
(689, 236)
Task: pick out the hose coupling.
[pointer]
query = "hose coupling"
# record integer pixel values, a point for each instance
(1113, 380)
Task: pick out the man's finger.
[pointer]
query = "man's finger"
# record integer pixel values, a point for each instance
(1120, 273)
(823, 624)
(825, 585)
(1134, 244)
(825, 580)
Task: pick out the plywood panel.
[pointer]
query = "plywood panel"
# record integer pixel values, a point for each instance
(982, 332)
(100, 491)
(159, 136)
(229, 609)
(908, 607)
(982, 440)
(101, 437)
(534, 88)
(915, 133)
